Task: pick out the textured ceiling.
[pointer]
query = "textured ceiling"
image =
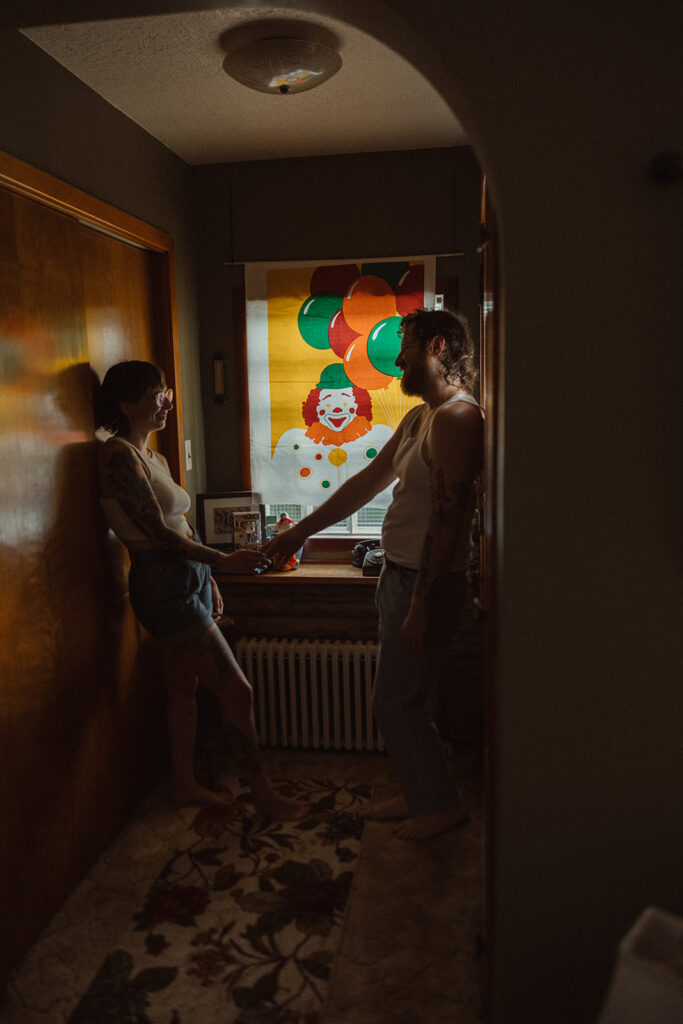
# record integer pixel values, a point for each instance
(165, 73)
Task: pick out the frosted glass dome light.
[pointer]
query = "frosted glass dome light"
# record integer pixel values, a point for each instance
(282, 63)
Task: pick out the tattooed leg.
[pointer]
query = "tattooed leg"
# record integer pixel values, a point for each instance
(209, 657)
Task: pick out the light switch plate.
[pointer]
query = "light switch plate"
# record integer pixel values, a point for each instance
(188, 455)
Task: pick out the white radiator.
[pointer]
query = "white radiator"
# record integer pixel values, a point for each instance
(312, 693)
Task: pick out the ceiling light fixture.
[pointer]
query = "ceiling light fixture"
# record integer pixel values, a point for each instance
(280, 57)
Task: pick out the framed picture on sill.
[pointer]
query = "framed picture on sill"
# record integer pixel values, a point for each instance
(246, 529)
(215, 514)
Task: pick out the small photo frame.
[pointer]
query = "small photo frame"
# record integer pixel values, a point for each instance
(215, 514)
(246, 529)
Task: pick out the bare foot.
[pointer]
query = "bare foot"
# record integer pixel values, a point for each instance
(282, 808)
(428, 825)
(269, 802)
(193, 793)
(383, 810)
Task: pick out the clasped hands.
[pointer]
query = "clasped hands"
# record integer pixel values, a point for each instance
(252, 560)
(283, 545)
(244, 561)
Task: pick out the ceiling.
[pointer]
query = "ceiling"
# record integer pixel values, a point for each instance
(165, 73)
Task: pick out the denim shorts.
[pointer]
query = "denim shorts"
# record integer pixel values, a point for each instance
(170, 595)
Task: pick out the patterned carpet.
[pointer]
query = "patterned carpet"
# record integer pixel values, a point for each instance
(237, 923)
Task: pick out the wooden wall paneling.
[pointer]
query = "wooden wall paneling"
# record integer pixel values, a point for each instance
(33, 183)
(120, 313)
(130, 314)
(80, 685)
(167, 356)
(305, 610)
(43, 337)
(118, 300)
(492, 382)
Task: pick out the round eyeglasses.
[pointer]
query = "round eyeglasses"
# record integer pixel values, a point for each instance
(164, 396)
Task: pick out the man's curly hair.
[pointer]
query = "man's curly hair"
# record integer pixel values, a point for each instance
(458, 356)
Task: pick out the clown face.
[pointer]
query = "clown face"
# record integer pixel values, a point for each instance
(336, 407)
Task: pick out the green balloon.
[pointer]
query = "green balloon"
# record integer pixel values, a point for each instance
(384, 343)
(315, 316)
(391, 272)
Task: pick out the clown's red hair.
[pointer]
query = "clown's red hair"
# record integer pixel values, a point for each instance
(309, 407)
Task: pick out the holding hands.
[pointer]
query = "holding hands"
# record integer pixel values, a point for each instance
(273, 555)
(244, 561)
(281, 548)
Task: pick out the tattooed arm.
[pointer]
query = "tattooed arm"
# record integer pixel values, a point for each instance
(122, 476)
(454, 454)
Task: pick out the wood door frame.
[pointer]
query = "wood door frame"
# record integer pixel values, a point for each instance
(32, 183)
(491, 379)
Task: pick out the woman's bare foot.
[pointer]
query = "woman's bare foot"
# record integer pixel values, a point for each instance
(269, 802)
(282, 808)
(193, 793)
(384, 810)
(428, 825)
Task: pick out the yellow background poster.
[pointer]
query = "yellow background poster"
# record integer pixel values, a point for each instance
(322, 342)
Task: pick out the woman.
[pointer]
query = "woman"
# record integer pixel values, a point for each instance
(171, 588)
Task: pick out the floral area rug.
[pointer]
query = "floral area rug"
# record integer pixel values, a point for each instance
(242, 923)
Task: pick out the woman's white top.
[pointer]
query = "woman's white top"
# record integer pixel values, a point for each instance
(173, 499)
(405, 524)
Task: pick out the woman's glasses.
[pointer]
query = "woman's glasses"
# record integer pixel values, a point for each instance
(164, 396)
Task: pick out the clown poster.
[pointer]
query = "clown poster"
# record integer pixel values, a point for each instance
(324, 391)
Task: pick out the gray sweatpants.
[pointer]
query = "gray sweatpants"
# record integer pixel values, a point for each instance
(404, 693)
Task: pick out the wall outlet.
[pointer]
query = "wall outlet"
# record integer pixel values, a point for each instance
(188, 455)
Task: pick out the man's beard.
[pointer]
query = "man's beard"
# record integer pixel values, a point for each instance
(414, 386)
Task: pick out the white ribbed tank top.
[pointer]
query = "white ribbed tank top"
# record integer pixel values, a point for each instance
(407, 518)
(173, 499)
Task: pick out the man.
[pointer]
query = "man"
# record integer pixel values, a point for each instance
(436, 453)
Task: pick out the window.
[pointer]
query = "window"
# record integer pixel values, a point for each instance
(367, 522)
(324, 391)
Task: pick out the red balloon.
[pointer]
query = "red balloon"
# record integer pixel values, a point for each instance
(340, 334)
(410, 290)
(337, 279)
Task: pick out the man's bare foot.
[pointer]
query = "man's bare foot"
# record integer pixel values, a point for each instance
(193, 793)
(428, 825)
(384, 810)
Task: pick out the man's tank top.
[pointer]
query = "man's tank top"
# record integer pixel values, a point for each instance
(173, 499)
(407, 519)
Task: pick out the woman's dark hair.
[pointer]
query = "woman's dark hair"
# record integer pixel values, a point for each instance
(458, 357)
(124, 382)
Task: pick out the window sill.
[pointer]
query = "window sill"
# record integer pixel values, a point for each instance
(324, 560)
(307, 572)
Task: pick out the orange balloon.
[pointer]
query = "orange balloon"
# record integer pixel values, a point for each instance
(368, 300)
(360, 370)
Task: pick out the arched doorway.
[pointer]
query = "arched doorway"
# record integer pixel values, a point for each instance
(398, 33)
